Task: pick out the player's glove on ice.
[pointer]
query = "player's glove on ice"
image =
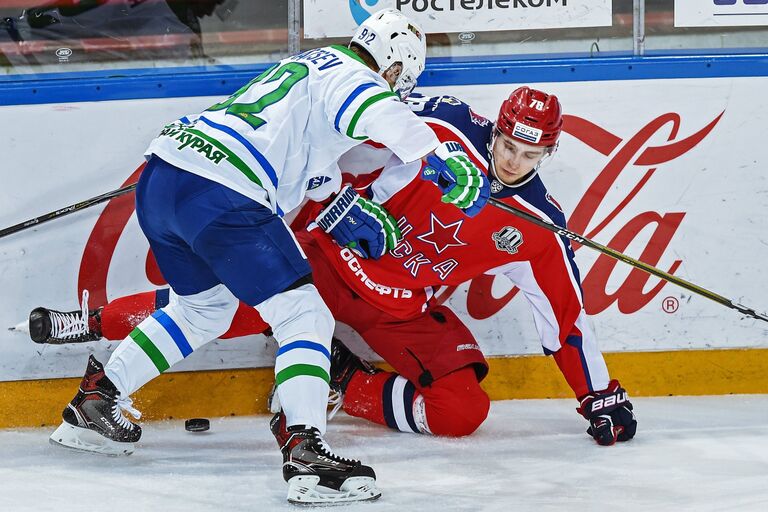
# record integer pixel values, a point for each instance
(360, 224)
(460, 181)
(610, 415)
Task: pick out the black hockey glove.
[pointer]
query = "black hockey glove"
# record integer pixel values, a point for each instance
(610, 415)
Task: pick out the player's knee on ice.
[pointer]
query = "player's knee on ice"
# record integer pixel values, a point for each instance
(456, 405)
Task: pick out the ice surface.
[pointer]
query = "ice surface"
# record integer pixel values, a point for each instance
(691, 453)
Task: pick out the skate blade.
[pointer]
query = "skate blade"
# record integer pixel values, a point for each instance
(85, 440)
(23, 327)
(304, 490)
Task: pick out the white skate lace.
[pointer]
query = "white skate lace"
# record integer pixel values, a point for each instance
(70, 325)
(325, 447)
(335, 399)
(124, 404)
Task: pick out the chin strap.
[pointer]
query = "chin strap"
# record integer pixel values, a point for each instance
(497, 185)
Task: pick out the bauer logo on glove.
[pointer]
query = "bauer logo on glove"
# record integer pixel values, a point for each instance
(458, 178)
(610, 415)
(360, 224)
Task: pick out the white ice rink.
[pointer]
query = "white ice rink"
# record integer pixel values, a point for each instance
(690, 454)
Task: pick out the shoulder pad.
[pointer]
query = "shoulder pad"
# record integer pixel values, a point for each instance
(430, 105)
(451, 110)
(536, 193)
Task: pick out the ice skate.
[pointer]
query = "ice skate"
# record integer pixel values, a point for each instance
(60, 327)
(317, 476)
(93, 420)
(344, 364)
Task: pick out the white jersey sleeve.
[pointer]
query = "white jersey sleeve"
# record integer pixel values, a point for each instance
(397, 127)
(365, 158)
(370, 110)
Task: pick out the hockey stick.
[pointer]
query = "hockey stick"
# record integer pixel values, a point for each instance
(66, 210)
(628, 260)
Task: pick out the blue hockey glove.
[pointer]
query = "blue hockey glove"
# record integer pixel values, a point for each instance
(360, 224)
(610, 415)
(460, 181)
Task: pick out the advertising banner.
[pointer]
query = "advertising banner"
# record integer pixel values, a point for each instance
(671, 172)
(721, 13)
(339, 18)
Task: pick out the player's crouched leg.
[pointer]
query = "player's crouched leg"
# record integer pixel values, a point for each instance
(455, 405)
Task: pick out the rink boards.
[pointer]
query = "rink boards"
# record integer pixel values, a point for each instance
(669, 171)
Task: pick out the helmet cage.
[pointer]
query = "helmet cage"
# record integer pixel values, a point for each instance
(549, 152)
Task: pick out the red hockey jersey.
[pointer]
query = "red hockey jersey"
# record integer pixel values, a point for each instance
(442, 246)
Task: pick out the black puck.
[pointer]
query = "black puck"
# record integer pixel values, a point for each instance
(197, 425)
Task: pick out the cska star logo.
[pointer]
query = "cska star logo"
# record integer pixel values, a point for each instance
(508, 239)
(442, 236)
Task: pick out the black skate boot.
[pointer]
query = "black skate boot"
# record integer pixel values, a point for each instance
(60, 327)
(315, 475)
(93, 420)
(344, 364)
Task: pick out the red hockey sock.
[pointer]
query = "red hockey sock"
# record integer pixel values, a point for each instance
(454, 405)
(247, 321)
(119, 317)
(363, 397)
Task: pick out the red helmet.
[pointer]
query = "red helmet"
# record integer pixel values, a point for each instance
(531, 116)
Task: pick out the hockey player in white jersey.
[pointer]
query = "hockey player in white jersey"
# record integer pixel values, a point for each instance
(211, 200)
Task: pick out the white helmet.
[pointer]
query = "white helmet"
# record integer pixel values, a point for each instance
(389, 36)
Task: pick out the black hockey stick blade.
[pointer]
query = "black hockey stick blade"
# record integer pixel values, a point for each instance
(628, 260)
(21, 226)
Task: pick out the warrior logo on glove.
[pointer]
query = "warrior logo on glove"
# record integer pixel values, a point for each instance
(360, 224)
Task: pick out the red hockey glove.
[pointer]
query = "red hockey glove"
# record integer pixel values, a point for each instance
(609, 413)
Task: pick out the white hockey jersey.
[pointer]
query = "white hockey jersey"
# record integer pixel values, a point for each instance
(278, 138)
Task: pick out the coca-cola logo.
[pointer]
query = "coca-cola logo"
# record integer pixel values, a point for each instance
(629, 154)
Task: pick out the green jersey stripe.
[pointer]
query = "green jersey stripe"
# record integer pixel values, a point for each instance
(367, 103)
(231, 156)
(349, 53)
(149, 348)
(296, 370)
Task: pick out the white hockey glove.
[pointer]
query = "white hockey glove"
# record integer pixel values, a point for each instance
(360, 224)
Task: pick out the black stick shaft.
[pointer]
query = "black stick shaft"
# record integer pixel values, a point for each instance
(628, 260)
(66, 210)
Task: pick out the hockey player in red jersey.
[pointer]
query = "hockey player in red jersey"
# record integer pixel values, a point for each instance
(437, 361)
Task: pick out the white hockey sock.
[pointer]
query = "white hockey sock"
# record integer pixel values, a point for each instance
(153, 346)
(302, 373)
(303, 325)
(172, 333)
